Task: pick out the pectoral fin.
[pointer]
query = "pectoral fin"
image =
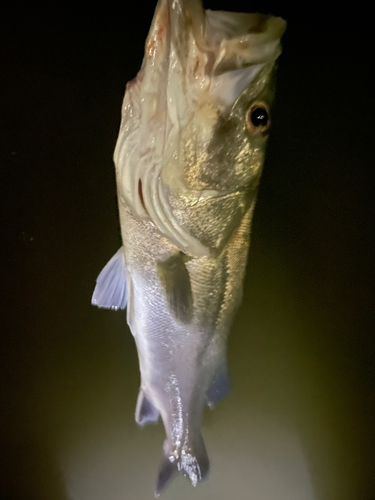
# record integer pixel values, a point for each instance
(110, 289)
(145, 412)
(175, 280)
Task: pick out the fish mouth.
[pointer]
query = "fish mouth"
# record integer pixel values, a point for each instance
(194, 60)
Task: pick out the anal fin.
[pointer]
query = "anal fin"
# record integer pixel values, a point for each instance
(145, 411)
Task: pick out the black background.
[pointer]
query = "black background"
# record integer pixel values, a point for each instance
(63, 70)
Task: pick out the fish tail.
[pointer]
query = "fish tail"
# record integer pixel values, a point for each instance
(192, 462)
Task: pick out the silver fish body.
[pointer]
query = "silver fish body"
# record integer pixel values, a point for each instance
(188, 162)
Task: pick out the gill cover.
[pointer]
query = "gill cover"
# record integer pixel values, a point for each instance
(196, 64)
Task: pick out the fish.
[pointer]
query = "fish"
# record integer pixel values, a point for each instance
(189, 156)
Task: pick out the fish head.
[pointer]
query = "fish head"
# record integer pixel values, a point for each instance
(222, 143)
(195, 120)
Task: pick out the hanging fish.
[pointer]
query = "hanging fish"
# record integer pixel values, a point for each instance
(188, 159)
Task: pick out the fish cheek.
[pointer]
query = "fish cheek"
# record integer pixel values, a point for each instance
(232, 156)
(207, 154)
(216, 171)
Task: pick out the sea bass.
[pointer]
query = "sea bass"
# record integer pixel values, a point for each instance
(189, 156)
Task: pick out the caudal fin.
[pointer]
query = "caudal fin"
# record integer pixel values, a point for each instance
(193, 462)
(167, 470)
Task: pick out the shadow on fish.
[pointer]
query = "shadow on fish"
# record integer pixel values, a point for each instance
(189, 156)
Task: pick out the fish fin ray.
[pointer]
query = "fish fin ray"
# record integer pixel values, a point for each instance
(195, 464)
(110, 290)
(175, 281)
(220, 385)
(192, 463)
(167, 472)
(145, 411)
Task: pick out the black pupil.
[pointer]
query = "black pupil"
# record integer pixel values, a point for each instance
(259, 117)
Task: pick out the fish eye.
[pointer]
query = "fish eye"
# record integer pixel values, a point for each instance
(258, 119)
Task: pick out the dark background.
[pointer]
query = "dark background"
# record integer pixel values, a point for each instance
(300, 422)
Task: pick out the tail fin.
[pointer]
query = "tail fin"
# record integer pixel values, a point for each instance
(192, 462)
(167, 470)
